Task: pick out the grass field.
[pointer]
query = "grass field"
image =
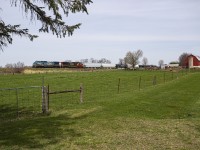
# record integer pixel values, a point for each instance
(114, 115)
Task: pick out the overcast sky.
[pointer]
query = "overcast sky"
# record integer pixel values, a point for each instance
(162, 29)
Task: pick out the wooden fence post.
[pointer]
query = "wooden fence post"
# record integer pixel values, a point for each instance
(81, 93)
(44, 97)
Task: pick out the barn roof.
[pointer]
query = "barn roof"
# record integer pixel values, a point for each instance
(198, 57)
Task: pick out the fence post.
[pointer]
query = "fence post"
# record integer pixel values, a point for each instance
(164, 77)
(154, 80)
(43, 96)
(44, 99)
(17, 103)
(118, 85)
(140, 82)
(81, 93)
(48, 96)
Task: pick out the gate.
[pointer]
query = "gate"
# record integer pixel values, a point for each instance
(61, 98)
(29, 101)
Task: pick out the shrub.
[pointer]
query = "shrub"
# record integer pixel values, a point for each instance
(14, 68)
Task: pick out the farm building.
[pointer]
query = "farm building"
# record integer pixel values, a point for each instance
(192, 61)
(175, 65)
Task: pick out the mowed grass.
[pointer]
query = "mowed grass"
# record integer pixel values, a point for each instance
(163, 116)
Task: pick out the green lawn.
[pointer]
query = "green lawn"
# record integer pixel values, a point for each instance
(161, 116)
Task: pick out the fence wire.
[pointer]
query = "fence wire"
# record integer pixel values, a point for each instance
(98, 87)
(20, 102)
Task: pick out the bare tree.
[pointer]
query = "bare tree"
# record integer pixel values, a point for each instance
(84, 60)
(121, 61)
(160, 63)
(145, 61)
(18, 67)
(15, 68)
(92, 60)
(132, 58)
(183, 59)
(104, 60)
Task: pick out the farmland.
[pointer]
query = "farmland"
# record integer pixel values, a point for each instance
(121, 110)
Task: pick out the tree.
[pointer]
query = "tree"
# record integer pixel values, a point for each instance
(15, 68)
(53, 22)
(160, 63)
(182, 59)
(92, 60)
(104, 61)
(121, 61)
(145, 61)
(84, 60)
(132, 58)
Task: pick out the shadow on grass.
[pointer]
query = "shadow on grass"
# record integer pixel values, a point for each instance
(38, 132)
(10, 112)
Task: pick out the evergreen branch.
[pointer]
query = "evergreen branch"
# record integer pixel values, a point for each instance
(6, 32)
(53, 22)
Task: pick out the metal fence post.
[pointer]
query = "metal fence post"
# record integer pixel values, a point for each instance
(48, 96)
(154, 80)
(140, 82)
(81, 93)
(17, 103)
(119, 85)
(164, 77)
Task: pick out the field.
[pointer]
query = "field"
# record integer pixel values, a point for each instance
(121, 110)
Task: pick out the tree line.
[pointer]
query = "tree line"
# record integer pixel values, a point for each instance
(132, 58)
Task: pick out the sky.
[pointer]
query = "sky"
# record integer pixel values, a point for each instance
(162, 29)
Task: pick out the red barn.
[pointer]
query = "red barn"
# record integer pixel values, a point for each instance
(193, 61)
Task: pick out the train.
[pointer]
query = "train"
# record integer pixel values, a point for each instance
(65, 64)
(56, 64)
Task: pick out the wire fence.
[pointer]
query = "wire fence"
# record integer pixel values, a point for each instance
(97, 87)
(20, 102)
